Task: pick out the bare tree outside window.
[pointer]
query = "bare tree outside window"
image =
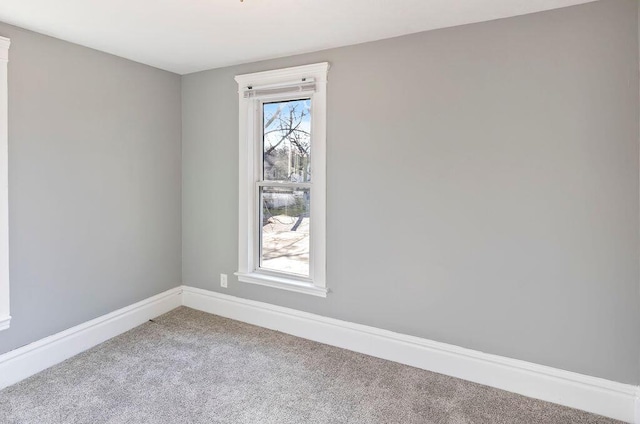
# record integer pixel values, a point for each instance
(286, 146)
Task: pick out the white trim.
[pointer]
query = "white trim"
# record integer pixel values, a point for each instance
(637, 408)
(5, 310)
(282, 283)
(4, 48)
(248, 176)
(5, 323)
(26, 361)
(317, 71)
(592, 394)
(608, 398)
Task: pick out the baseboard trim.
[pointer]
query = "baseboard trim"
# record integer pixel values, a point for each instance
(607, 398)
(592, 394)
(5, 323)
(26, 361)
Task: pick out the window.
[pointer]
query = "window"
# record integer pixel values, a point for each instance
(282, 178)
(5, 316)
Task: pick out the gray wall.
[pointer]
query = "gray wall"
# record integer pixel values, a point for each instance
(94, 184)
(482, 187)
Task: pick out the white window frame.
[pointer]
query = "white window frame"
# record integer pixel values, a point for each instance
(5, 315)
(250, 151)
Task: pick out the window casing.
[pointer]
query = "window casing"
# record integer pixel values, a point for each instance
(5, 316)
(282, 179)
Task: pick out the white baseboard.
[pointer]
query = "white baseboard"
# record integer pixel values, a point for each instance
(26, 361)
(4, 323)
(596, 395)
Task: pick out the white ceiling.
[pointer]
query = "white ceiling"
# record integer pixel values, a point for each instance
(185, 36)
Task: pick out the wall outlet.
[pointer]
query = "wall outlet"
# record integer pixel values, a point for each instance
(223, 280)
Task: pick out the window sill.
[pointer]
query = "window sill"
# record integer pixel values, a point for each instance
(4, 323)
(281, 283)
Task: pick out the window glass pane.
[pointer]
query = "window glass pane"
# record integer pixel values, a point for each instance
(286, 142)
(284, 234)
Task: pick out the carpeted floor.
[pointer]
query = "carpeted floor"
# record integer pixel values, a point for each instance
(192, 367)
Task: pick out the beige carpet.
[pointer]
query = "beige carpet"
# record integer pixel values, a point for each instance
(192, 367)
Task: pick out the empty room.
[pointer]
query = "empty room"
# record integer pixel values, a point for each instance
(319, 211)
